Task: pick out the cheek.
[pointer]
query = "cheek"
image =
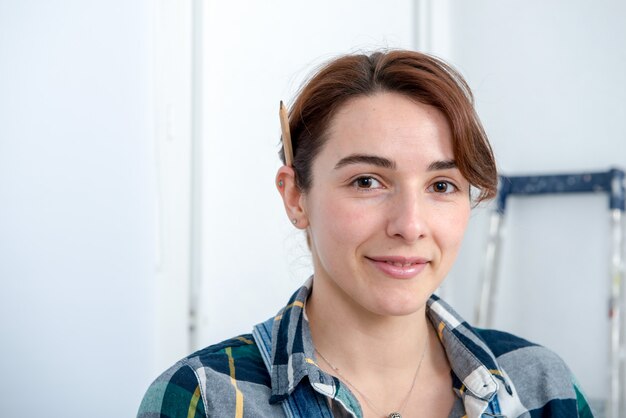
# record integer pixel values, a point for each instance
(452, 229)
(338, 222)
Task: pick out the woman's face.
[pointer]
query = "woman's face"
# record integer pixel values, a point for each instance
(387, 208)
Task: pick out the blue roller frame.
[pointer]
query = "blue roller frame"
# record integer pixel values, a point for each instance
(611, 182)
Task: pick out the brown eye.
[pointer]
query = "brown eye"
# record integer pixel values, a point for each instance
(440, 187)
(443, 187)
(366, 183)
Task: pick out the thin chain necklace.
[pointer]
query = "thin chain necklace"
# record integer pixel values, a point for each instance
(366, 399)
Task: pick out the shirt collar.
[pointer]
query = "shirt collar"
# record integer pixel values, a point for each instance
(474, 365)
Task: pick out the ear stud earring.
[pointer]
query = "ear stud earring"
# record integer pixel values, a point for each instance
(294, 221)
(280, 183)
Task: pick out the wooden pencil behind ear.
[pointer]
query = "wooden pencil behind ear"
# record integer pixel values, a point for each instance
(286, 135)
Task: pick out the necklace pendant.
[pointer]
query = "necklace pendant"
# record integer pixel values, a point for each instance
(394, 415)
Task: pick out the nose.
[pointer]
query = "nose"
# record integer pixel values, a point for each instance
(407, 217)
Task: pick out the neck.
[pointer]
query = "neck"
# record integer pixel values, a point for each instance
(358, 340)
(381, 357)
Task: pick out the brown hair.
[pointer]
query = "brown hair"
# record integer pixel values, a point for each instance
(420, 77)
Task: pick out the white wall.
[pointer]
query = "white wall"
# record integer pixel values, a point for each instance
(77, 207)
(549, 82)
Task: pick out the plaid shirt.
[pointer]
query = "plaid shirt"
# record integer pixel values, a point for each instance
(493, 373)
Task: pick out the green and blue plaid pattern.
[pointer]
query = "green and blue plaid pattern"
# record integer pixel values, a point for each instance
(494, 373)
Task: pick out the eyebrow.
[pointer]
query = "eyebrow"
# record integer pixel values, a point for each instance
(442, 165)
(366, 159)
(387, 163)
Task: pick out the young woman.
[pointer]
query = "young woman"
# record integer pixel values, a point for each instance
(386, 158)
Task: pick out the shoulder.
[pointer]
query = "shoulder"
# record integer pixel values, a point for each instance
(189, 387)
(540, 377)
(519, 355)
(175, 393)
(238, 355)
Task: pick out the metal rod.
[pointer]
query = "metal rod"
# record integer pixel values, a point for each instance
(195, 245)
(622, 354)
(489, 285)
(615, 317)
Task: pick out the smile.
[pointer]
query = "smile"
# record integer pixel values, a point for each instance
(399, 267)
(399, 264)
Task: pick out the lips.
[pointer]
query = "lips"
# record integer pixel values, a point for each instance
(399, 267)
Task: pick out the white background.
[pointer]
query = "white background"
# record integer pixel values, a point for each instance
(103, 219)
(77, 207)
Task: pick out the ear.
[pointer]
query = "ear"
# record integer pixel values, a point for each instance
(292, 197)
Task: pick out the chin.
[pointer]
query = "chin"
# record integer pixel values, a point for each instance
(402, 307)
(400, 301)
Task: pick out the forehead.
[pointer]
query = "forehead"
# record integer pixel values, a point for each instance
(390, 125)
